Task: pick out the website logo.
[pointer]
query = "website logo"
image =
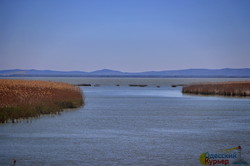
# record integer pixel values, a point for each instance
(223, 157)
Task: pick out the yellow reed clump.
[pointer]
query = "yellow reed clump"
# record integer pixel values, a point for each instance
(239, 88)
(24, 99)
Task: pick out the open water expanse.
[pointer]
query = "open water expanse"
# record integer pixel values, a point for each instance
(122, 125)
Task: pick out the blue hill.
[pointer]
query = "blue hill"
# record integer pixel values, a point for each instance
(227, 72)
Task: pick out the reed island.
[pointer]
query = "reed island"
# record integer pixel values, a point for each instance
(21, 99)
(236, 89)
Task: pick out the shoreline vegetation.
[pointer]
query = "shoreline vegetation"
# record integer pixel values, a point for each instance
(234, 89)
(23, 99)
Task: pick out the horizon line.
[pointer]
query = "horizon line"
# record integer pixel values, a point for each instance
(125, 71)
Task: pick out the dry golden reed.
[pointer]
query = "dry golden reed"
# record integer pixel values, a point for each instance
(240, 88)
(23, 98)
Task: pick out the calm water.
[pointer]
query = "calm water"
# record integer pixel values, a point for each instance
(130, 126)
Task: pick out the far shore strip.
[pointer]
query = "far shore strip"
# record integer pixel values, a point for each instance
(237, 89)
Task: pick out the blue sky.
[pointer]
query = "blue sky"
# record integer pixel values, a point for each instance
(126, 35)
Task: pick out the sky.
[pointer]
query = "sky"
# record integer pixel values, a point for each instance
(125, 35)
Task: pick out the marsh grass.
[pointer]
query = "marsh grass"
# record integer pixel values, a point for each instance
(21, 99)
(240, 89)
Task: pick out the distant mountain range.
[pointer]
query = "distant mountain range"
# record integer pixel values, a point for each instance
(227, 72)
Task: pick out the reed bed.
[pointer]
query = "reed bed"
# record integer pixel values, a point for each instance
(240, 89)
(25, 99)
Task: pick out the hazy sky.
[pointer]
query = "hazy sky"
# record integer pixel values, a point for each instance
(126, 35)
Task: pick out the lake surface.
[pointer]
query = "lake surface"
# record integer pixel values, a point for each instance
(122, 125)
